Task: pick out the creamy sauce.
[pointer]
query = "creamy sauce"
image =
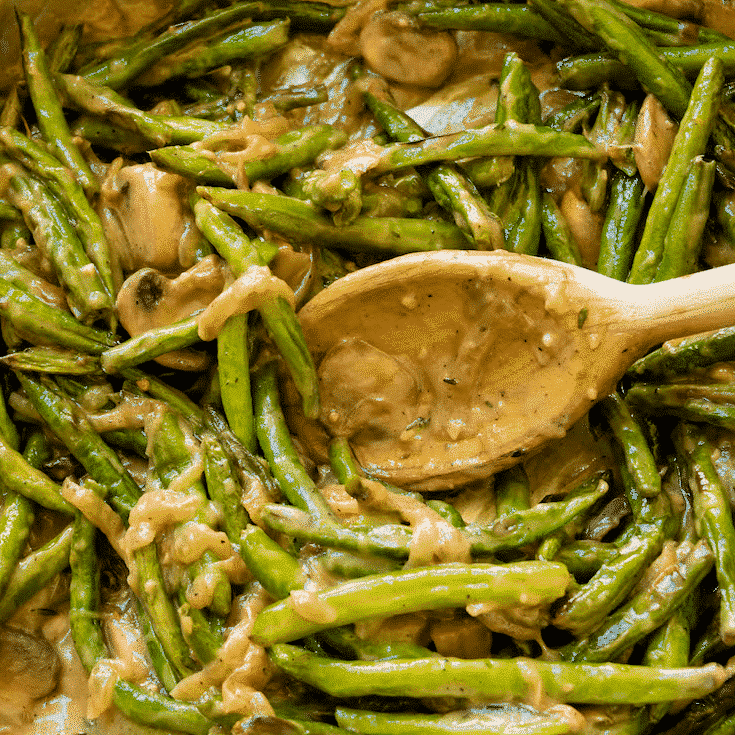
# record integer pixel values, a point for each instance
(256, 286)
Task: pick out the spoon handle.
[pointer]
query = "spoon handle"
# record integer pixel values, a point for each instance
(682, 306)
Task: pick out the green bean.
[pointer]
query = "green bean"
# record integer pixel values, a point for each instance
(573, 33)
(18, 512)
(84, 594)
(686, 355)
(299, 221)
(587, 606)
(275, 569)
(139, 54)
(194, 164)
(175, 399)
(451, 189)
(513, 531)
(37, 450)
(350, 566)
(396, 123)
(692, 402)
(224, 487)
(99, 132)
(278, 449)
(251, 41)
(294, 149)
(56, 236)
(252, 470)
(628, 41)
(151, 344)
(437, 587)
(63, 48)
(52, 360)
(512, 491)
(135, 702)
(647, 610)
(622, 217)
(630, 438)
(21, 477)
(558, 237)
(492, 140)
(669, 646)
(233, 363)
(88, 225)
(488, 172)
(523, 527)
(724, 726)
(34, 571)
(70, 425)
(592, 70)
(349, 645)
(277, 314)
(683, 241)
(498, 679)
(448, 512)
(347, 471)
(302, 95)
(492, 718)
(48, 107)
(714, 519)
(583, 558)
(155, 129)
(9, 212)
(391, 541)
(459, 196)
(689, 143)
(158, 710)
(15, 522)
(160, 661)
(622, 140)
(496, 17)
(171, 457)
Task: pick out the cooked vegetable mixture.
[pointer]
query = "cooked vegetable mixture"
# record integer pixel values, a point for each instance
(188, 543)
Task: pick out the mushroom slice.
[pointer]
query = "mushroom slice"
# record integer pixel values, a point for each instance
(654, 138)
(368, 393)
(148, 299)
(31, 670)
(395, 47)
(146, 217)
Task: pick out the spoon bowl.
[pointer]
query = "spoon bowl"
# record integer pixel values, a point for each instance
(446, 367)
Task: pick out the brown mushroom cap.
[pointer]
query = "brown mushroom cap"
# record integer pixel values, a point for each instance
(148, 299)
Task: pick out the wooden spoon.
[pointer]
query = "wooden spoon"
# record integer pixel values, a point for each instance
(449, 366)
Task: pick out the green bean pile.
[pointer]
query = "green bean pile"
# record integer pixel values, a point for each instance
(272, 591)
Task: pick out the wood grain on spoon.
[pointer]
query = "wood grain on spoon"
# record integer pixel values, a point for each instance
(446, 367)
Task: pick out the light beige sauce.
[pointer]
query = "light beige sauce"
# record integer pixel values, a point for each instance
(242, 667)
(256, 286)
(156, 510)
